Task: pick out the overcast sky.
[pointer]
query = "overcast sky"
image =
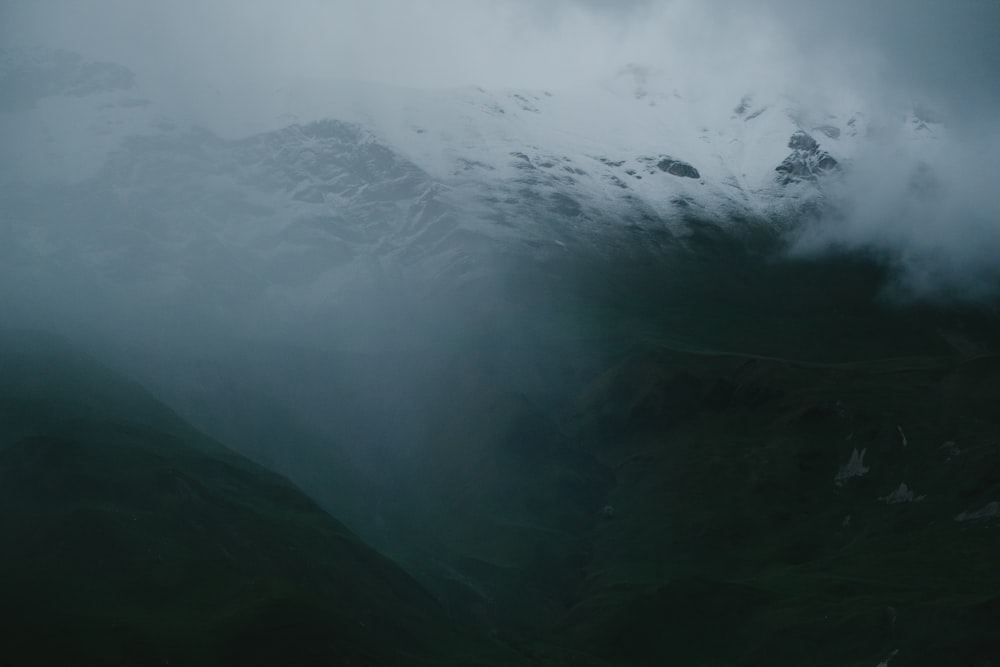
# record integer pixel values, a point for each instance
(938, 49)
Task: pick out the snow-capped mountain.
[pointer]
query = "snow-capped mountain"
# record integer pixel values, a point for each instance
(301, 192)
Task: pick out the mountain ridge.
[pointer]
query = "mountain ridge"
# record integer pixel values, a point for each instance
(139, 539)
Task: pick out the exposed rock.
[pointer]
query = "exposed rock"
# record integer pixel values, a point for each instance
(524, 160)
(678, 168)
(826, 162)
(801, 141)
(806, 162)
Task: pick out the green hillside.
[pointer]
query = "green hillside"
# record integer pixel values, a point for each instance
(132, 539)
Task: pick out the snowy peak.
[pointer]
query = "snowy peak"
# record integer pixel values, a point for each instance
(632, 148)
(293, 201)
(806, 162)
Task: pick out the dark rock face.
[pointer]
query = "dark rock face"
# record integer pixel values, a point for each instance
(806, 161)
(801, 141)
(678, 168)
(826, 162)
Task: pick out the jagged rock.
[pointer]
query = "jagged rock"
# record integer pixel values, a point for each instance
(825, 162)
(806, 162)
(801, 141)
(678, 168)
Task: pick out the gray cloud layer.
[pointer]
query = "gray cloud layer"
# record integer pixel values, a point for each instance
(936, 47)
(888, 55)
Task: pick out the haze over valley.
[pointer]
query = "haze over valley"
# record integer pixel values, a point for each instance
(500, 332)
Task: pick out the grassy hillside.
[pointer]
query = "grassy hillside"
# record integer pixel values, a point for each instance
(685, 451)
(133, 539)
(741, 535)
(684, 492)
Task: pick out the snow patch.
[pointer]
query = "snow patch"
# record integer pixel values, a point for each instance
(855, 467)
(885, 663)
(902, 494)
(990, 511)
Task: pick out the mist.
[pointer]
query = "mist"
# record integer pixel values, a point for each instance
(883, 59)
(573, 309)
(399, 306)
(931, 217)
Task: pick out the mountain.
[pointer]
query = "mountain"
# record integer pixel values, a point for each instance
(723, 428)
(133, 538)
(546, 350)
(770, 512)
(268, 207)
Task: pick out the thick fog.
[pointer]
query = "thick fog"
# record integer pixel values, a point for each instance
(469, 271)
(944, 51)
(884, 58)
(400, 306)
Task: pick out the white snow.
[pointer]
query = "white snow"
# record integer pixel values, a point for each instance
(855, 467)
(885, 663)
(990, 511)
(902, 494)
(588, 142)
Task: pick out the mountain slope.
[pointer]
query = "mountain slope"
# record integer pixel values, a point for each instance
(330, 207)
(770, 512)
(134, 539)
(547, 349)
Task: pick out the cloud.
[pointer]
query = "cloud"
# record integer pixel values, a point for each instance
(939, 49)
(933, 215)
(446, 42)
(885, 57)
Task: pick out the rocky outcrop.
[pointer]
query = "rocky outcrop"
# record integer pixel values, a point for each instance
(800, 141)
(678, 168)
(806, 162)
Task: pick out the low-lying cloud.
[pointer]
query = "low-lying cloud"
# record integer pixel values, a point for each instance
(934, 216)
(922, 46)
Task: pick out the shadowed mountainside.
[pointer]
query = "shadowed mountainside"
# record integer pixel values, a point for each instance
(134, 539)
(782, 449)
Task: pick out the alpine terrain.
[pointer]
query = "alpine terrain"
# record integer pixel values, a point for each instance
(462, 376)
